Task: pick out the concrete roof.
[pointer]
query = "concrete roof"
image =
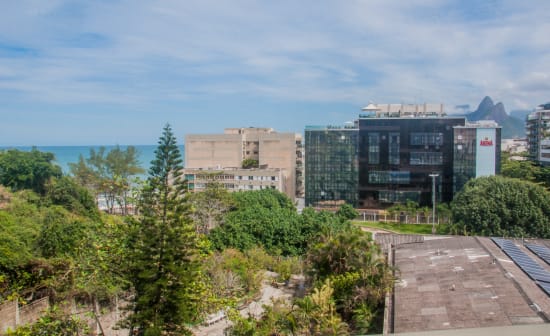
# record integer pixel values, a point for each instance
(463, 282)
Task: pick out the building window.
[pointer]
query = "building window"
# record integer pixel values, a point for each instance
(393, 148)
(374, 148)
(389, 177)
(426, 139)
(426, 158)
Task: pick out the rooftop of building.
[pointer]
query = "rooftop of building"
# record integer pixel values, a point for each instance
(450, 283)
(402, 110)
(248, 130)
(345, 127)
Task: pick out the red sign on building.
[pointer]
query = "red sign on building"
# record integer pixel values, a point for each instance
(486, 142)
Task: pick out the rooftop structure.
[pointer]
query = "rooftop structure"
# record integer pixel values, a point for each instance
(463, 282)
(402, 110)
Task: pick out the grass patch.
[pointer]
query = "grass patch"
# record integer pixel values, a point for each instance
(404, 228)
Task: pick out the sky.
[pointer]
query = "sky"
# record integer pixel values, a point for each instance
(109, 72)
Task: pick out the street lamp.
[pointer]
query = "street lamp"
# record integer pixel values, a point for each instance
(433, 176)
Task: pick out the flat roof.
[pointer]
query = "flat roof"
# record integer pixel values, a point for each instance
(462, 282)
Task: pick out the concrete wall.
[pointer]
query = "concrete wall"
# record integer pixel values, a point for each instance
(30, 313)
(213, 150)
(278, 150)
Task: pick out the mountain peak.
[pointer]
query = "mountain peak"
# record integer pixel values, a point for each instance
(487, 110)
(486, 104)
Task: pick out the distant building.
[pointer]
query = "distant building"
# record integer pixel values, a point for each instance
(389, 154)
(331, 165)
(538, 134)
(270, 149)
(476, 151)
(514, 146)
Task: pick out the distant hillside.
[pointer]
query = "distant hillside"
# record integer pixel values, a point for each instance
(488, 110)
(520, 114)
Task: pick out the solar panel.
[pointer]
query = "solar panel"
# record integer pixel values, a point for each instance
(542, 252)
(526, 263)
(545, 287)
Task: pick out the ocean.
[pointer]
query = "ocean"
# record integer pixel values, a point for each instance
(70, 154)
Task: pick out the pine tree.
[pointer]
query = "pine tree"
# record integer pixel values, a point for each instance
(166, 266)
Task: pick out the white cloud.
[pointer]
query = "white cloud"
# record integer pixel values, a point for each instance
(352, 51)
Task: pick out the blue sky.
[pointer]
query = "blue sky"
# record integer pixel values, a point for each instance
(114, 72)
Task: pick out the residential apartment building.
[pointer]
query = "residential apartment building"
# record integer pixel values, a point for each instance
(234, 179)
(268, 148)
(538, 134)
(331, 165)
(477, 148)
(392, 152)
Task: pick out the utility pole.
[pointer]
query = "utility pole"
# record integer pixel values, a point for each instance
(433, 176)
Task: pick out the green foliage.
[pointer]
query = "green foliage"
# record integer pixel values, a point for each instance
(500, 206)
(250, 163)
(53, 323)
(234, 275)
(266, 198)
(410, 208)
(210, 206)
(66, 192)
(165, 251)
(267, 218)
(60, 235)
(358, 273)
(47, 250)
(19, 228)
(347, 211)
(525, 170)
(315, 314)
(27, 170)
(109, 173)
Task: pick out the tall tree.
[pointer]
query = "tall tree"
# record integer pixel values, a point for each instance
(210, 206)
(166, 260)
(108, 174)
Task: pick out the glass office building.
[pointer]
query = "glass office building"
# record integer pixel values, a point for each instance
(397, 154)
(331, 165)
(393, 153)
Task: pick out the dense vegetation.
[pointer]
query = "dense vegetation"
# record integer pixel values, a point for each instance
(183, 256)
(501, 206)
(525, 170)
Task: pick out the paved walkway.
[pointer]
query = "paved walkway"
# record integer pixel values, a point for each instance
(255, 308)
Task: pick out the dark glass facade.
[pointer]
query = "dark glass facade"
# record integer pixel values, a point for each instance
(331, 165)
(397, 155)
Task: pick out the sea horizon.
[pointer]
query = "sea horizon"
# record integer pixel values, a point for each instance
(71, 154)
